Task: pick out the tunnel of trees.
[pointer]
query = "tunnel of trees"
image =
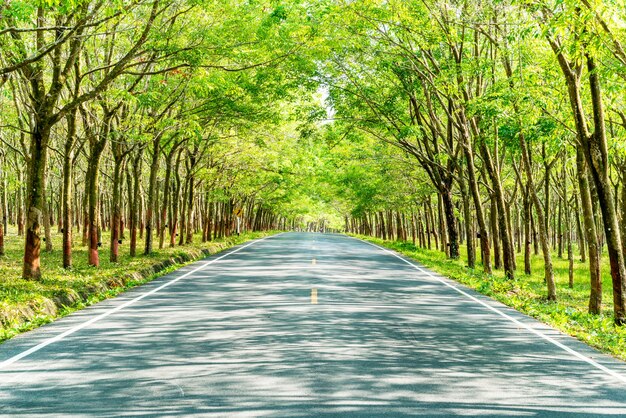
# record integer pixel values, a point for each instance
(493, 131)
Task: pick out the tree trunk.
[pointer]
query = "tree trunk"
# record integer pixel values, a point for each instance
(508, 252)
(91, 179)
(527, 230)
(46, 222)
(469, 230)
(66, 198)
(35, 201)
(156, 150)
(116, 210)
(190, 212)
(3, 214)
(579, 230)
(543, 235)
(591, 234)
(450, 221)
(166, 196)
(134, 202)
(497, 257)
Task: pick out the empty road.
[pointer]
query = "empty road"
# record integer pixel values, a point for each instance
(305, 325)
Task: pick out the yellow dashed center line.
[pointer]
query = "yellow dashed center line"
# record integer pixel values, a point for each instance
(314, 296)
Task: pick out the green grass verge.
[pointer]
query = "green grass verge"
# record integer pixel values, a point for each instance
(527, 293)
(26, 304)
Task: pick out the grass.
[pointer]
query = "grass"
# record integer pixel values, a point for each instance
(26, 304)
(527, 293)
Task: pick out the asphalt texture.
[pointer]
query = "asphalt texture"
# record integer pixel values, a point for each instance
(304, 325)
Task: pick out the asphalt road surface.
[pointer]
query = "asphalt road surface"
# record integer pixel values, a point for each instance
(305, 325)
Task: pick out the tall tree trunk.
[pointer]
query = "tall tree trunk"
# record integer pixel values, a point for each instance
(480, 216)
(166, 195)
(134, 203)
(46, 222)
(623, 207)
(543, 233)
(579, 230)
(450, 222)
(35, 201)
(5, 204)
(527, 230)
(508, 252)
(20, 201)
(156, 150)
(3, 214)
(426, 227)
(497, 254)
(66, 198)
(183, 213)
(190, 212)
(469, 230)
(116, 209)
(92, 180)
(591, 234)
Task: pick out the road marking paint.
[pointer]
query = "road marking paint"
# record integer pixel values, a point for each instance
(71, 331)
(510, 318)
(314, 296)
(313, 262)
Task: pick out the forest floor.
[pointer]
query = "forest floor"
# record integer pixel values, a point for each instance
(26, 304)
(527, 293)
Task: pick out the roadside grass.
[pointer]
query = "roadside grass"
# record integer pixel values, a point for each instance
(27, 304)
(527, 293)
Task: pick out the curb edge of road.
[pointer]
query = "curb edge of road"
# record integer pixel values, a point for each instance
(498, 307)
(52, 309)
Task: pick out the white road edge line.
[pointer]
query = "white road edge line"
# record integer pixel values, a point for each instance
(510, 318)
(71, 331)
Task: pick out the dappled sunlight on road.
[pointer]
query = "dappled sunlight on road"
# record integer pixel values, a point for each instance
(242, 339)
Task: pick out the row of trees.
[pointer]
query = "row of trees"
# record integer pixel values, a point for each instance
(502, 105)
(152, 119)
(495, 124)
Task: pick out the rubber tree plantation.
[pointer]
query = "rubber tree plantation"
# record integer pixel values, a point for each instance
(484, 138)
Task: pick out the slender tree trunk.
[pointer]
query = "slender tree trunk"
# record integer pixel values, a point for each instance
(570, 253)
(156, 150)
(20, 201)
(183, 213)
(134, 203)
(591, 234)
(3, 214)
(66, 198)
(92, 180)
(5, 204)
(527, 231)
(46, 222)
(116, 212)
(497, 260)
(469, 231)
(623, 207)
(508, 252)
(579, 231)
(543, 235)
(166, 196)
(190, 212)
(559, 227)
(450, 222)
